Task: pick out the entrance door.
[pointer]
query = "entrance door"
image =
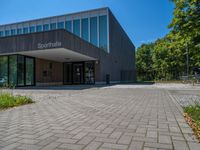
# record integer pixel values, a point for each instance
(67, 73)
(78, 73)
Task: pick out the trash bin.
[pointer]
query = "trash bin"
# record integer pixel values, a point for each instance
(107, 79)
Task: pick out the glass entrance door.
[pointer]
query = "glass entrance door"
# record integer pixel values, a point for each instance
(78, 73)
(67, 73)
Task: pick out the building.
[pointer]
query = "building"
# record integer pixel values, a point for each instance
(80, 48)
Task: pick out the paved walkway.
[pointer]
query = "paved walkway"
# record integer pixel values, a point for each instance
(97, 118)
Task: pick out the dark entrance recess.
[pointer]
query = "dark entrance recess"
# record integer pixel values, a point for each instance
(79, 73)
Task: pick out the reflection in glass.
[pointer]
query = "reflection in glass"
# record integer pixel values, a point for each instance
(25, 30)
(89, 73)
(13, 69)
(32, 29)
(103, 40)
(29, 71)
(60, 25)
(1, 33)
(19, 31)
(46, 27)
(68, 26)
(7, 32)
(20, 70)
(84, 29)
(13, 32)
(53, 26)
(3, 70)
(93, 30)
(76, 27)
(39, 28)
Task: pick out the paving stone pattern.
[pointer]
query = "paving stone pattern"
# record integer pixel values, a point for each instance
(98, 118)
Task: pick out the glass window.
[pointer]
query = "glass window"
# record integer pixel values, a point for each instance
(39, 28)
(68, 26)
(7, 32)
(1, 33)
(3, 70)
(46, 27)
(13, 32)
(84, 29)
(13, 69)
(25, 30)
(103, 37)
(19, 31)
(53, 26)
(76, 27)
(89, 73)
(60, 25)
(93, 30)
(20, 70)
(29, 71)
(32, 29)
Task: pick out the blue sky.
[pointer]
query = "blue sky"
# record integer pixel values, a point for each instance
(143, 20)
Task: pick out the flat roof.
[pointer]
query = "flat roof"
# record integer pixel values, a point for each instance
(69, 14)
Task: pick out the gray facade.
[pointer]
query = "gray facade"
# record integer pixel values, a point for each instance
(113, 55)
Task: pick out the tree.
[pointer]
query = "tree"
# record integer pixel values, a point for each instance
(144, 61)
(186, 25)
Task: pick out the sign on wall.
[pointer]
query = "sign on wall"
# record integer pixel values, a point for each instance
(49, 45)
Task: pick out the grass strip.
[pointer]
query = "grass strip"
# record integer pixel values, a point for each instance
(8, 100)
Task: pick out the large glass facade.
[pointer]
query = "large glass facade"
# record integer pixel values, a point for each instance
(25, 30)
(13, 32)
(16, 70)
(76, 27)
(32, 29)
(7, 33)
(60, 25)
(20, 70)
(53, 26)
(29, 71)
(68, 26)
(89, 73)
(46, 27)
(93, 30)
(103, 33)
(3, 70)
(19, 31)
(84, 29)
(1, 33)
(12, 69)
(39, 28)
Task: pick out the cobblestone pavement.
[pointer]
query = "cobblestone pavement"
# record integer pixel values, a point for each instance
(186, 98)
(97, 118)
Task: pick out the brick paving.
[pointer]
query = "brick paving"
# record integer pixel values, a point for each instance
(186, 98)
(96, 118)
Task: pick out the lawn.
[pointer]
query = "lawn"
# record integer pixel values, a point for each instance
(192, 116)
(8, 100)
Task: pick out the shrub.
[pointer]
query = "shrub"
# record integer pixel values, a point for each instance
(8, 100)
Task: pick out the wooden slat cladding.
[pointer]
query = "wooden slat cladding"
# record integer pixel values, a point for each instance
(49, 72)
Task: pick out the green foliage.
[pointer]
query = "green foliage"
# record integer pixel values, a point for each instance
(194, 112)
(144, 62)
(7, 100)
(168, 55)
(6, 85)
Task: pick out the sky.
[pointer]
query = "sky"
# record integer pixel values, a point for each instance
(143, 20)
